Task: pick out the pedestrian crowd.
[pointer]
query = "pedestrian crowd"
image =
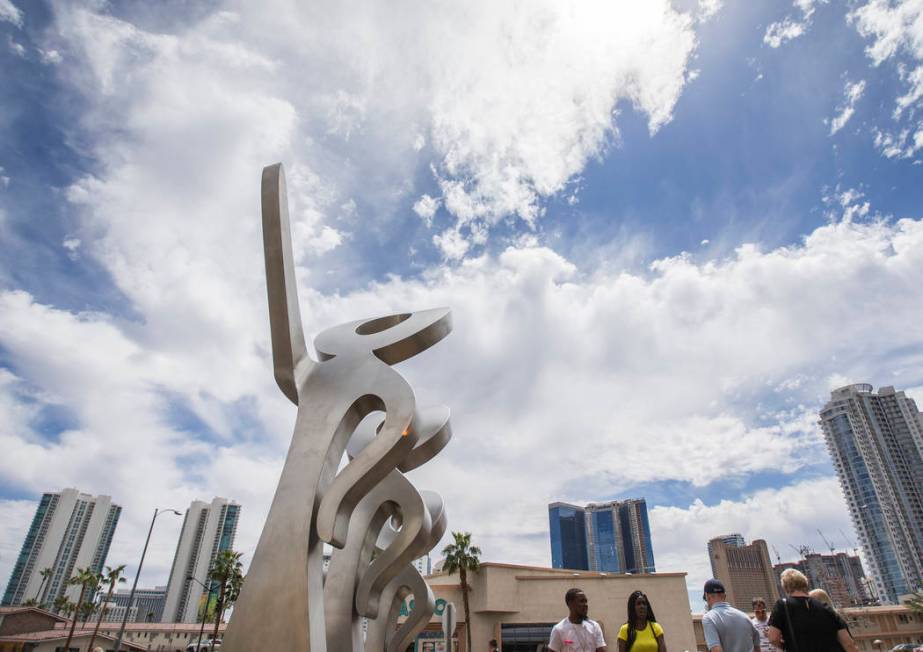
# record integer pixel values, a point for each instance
(799, 622)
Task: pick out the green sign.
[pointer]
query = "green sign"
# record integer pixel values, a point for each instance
(407, 608)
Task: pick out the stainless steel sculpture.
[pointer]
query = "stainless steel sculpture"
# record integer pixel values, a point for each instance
(287, 602)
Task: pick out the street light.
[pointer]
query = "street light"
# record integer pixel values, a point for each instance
(208, 598)
(131, 596)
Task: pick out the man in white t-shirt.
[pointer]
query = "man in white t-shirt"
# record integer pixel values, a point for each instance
(577, 633)
(760, 620)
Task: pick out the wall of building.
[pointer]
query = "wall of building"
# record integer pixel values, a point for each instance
(509, 594)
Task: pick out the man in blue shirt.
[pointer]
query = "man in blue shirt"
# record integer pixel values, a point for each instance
(726, 629)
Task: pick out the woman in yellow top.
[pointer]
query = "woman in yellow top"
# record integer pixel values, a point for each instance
(641, 633)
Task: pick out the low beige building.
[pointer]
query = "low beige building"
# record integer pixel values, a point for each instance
(158, 637)
(518, 605)
(30, 629)
(891, 625)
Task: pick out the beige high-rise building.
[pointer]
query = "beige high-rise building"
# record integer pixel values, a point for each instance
(208, 529)
(745, 570)
(70, 530)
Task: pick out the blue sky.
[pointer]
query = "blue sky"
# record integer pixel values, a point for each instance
(666, 233)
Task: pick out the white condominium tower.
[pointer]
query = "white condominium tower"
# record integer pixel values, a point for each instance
(70, 530)
(876, 442)
(207, 530)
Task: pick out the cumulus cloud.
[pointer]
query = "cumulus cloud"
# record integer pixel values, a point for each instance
(852, 94)
(10, 13)
(784, 517)
(506, 127)
(688, 362)
(546, 365)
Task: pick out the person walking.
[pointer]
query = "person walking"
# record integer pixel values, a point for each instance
(802, 624)
(642, 632)
(726, 629)
(577, 633)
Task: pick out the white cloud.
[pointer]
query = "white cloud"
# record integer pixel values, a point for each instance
(452, 244)
(914, 80)
(785, 30)
(895, 31)
(549, 364)
(708, 8)
(50, 57)
(892, 26)
(426, 208)
(904, 143)
(853, 92)
(503, 129)
(784, 517)
(10, 13)
(546, 365)
(789, 28)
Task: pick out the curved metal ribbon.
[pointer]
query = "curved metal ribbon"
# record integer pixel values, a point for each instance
(286, 602)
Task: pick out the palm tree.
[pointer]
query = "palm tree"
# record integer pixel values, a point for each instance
(462, 557)
(227, 574)
(45, 573)
(915, 603)
(86, 578)
(111, 576)
(63, 606)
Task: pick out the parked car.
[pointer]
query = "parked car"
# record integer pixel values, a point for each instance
(204, 646)
(904, 647)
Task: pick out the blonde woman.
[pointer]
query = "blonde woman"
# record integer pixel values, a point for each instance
(802, 623)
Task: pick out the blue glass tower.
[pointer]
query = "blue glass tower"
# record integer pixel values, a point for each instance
(613, 537)
(568, 536)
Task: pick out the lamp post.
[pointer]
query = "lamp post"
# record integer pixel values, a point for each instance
(208, 597)
(131, 596)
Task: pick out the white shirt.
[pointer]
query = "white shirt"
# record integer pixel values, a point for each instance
(762, 627)
(573, 637)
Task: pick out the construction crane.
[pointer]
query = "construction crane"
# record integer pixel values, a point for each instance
(855, 551)
(803, 551)
(778, 558)
(829, 545)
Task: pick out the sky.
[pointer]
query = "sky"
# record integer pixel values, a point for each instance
(666, 231)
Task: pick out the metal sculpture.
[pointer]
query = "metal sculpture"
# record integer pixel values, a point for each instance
(374, 518)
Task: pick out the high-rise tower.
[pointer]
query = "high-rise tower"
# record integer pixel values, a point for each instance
(614, 537)
(745, 570)
(876, 442)
(70, 530)
(568, 536)
(207, 530)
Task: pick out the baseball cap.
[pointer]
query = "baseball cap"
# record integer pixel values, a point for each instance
(713, 586)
